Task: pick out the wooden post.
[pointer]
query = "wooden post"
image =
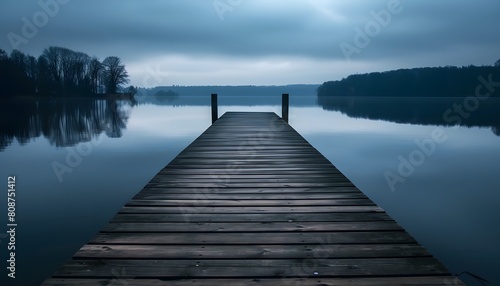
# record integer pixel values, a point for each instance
(215, 112)
(284, 106)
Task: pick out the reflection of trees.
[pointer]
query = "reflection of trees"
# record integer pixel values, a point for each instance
(19, 120)
(426, 111)
(64, 122)
(496, 130)
(117, 114)
(166, 96)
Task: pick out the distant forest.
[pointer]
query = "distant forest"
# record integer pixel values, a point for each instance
(418, 82)
(300, 94)
(60, 72)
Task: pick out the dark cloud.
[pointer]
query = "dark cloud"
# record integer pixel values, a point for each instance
(296, 35)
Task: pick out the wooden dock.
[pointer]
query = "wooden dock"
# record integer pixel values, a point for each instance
(251, 202)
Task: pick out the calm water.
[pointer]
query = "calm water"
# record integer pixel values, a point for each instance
(77, 162)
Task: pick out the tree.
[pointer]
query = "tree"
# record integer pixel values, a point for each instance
(497, 64)
(70, 71)
(96, 70)
(4, 73)
(44, 79)
(31, 68)
(131, 90)
(52, 57)
(22, 73)
(18, 58)
(76, 72)
(3, 55)
(115, 74)
(59, 71)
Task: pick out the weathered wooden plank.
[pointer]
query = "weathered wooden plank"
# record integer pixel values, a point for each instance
(256, 149)
(253, 190)
(233, 179)
(167, 195)
(258, 268)
(201, 200)
(253, 226)
(327, 251)
(261, 177)
(250, 161)
(249, 185)
(242, 170)
(203, 208)
(286, 217)
(254, 153)
(194, 170)
(251, 151)
(228, 180)
(117, 279)
(249, 238)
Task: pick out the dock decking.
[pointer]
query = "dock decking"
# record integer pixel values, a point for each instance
(251, 202)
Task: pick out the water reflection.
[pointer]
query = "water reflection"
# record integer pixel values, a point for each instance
(423, 111)
(449, 204)
(67, 122)
(63, 122)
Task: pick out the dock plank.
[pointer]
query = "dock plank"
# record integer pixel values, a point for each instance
(254, 226)
(251, 238)
(285, 281)
(255, 268)
(287, 217)
(249, 252)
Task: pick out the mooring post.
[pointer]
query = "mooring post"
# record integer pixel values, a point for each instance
(284, 106)
(215, 112)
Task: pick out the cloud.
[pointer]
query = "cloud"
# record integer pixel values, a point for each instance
(304, 33)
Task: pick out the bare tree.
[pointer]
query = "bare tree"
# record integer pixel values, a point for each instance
(52, 57)
(60, 71)
(18, 58)
(3, 55)
(44, 79)
(76, 72)
(31, 67)
(115, 74)
(69, 70)
(96, 70)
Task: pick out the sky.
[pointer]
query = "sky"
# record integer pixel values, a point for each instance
(258, 42)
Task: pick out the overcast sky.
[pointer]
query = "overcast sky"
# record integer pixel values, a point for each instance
(259, 42)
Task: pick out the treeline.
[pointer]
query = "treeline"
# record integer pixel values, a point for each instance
(60, 71)
(419, 82)
(246, 95)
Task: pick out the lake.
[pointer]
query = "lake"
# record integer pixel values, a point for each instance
(78, 161)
